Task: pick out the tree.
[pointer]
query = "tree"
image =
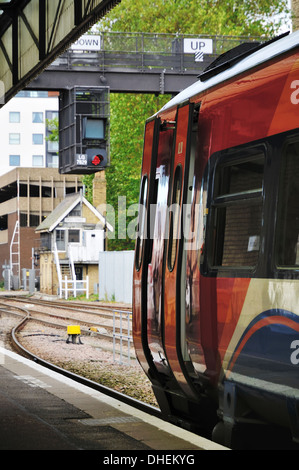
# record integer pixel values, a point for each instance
(53, 127)
(224, 17)
(129, 112)
(128, 115)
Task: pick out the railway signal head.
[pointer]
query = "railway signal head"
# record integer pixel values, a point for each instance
(84, 130)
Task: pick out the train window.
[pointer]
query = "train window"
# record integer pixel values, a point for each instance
(174, 218)
(141, 223)
(236, 211)
(240, 177)
(287, 242)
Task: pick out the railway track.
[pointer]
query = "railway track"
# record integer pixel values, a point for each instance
(26, 314)
(107, 322)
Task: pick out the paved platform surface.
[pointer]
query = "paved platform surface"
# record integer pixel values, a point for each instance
(43, 410)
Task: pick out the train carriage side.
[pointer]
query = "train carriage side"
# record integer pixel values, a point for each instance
(218, 302)
(158, 337)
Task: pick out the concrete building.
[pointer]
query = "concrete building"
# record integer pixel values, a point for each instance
(23, 123)
(72, 237)
(27, 197)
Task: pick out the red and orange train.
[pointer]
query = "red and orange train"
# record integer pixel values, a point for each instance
(216, 271)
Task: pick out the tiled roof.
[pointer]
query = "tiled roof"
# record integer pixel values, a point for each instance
(59, 213)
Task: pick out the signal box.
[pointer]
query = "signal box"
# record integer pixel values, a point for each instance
(84, 130)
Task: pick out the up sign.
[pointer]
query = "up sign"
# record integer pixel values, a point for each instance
(198, 46)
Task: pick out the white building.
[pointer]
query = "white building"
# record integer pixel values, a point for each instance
(23, 131)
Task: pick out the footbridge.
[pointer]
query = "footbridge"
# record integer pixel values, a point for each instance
(135, 62)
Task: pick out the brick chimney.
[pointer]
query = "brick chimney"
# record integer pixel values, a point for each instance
(99, 189)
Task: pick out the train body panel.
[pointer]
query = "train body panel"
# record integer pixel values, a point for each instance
(216, 292)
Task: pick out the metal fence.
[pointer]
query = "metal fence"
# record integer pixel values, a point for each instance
(122, 336)
(74, 287)
(147, 52)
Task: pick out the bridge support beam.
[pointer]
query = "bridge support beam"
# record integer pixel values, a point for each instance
(118, 82)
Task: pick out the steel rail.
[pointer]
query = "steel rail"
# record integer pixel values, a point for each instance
(149, 409)
(75, 319)
(118, 336)
(68, 305)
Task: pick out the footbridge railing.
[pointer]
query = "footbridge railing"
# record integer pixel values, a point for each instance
(149, 51)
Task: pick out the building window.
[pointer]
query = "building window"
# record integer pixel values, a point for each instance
(52, 115)
(14, 116)
(14, 139)
(14, 160)
(37, 139)
(74, 236)
(53, 146)
(34, 220)
(32, 94)
(52, 161)
(37, 117)
(23, 219)
(38, 160)
(3, 222)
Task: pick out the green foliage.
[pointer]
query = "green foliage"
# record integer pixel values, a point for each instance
(129, 112)
(87, 180)
(225, 17)
(128, 115)
(53, 127)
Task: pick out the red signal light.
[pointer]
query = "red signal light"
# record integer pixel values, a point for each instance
(97, 160)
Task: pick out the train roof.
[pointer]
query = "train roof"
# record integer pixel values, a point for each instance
(259, 56)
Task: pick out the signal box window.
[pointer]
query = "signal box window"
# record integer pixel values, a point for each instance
(74, 236)
(287, 243)
(60, 240)
(237, 211)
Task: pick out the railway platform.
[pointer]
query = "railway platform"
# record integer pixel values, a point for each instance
(41, 409)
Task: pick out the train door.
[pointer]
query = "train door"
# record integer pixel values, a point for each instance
(179, 215)
(161, 175)
(198, 295)
(157, 259)
(143, 244)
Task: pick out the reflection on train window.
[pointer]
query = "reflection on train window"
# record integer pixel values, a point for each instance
(174, 218)
(287, 245)
(142, 223)
(237, 211)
